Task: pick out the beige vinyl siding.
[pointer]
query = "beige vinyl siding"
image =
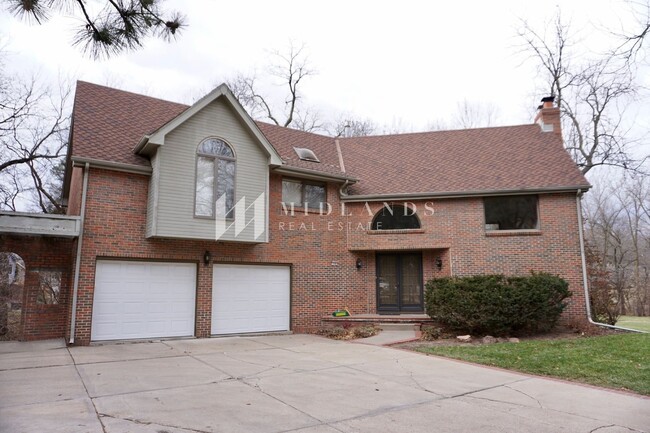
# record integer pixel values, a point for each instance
(176, 160)
(152, 200)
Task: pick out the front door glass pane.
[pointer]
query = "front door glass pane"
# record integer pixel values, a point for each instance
(411, 282)
(387, 280)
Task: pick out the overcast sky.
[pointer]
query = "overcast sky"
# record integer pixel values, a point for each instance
(406, 62)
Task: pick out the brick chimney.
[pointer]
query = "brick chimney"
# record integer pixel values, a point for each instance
(548, 116)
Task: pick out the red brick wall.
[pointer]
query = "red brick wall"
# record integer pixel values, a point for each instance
(324, 275)
(50, 254)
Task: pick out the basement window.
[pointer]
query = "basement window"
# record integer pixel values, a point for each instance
(306, 154)
(518, 212)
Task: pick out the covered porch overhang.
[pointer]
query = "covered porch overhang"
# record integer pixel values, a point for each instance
(32, 224)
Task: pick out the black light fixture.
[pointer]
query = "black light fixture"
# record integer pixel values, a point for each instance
(439, 263)
(359, 263)
(206, 258)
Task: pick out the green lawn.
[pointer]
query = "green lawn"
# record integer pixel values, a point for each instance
(613, 361)
(634, 322)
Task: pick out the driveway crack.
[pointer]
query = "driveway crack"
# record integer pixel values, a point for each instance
(525, 394)
(137, 421)
(92, 401)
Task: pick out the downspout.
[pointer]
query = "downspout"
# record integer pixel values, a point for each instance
(77, 265)
(342, 189)
(585, 279)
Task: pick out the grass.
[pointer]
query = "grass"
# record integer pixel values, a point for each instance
(614, 361)
(634, 322)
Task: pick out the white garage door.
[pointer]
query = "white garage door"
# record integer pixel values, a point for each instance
(143, 300)
(250, 298)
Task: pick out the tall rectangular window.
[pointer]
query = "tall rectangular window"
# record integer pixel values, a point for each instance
(517, 212)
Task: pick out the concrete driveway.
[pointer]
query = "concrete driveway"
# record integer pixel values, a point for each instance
(296, 383)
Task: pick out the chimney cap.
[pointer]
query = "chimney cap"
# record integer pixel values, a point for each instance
(548, 98)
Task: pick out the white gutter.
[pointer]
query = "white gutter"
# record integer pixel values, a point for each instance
(111, 165)
(77, 265)
(313, 174)
(585, 279)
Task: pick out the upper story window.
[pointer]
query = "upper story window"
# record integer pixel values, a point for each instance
(516, 212)
(304, 194)
(395, 217)
(215, 179)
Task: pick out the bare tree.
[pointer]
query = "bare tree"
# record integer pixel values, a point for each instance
(475, 115)
(633, 197)
(592, 95)
(121, 25)
(618, 230)
(34, 123)
(289, 69)
(347, 125)
(309, 120)
(633, 42)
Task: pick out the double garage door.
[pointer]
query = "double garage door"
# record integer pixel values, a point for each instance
(154, 300)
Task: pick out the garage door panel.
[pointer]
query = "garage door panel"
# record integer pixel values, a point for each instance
(143, 300)
(250, 298)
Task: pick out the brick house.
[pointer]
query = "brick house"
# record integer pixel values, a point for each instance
(198, 221)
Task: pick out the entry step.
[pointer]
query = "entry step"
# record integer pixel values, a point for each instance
(397, 326)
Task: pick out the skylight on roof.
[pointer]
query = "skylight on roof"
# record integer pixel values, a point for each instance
(306, 154)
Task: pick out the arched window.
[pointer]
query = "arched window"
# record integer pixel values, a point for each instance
(396, 217)
(215, 179)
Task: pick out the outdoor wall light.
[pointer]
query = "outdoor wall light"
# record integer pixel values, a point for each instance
(439, 263)
(206, 258)
(359, 263)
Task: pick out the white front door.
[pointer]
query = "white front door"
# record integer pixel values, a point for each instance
(250, 298)
(143, 300)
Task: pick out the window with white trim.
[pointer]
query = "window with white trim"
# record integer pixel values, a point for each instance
(215, 179)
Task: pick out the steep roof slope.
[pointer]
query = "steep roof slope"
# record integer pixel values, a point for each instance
(483, 159)
(108, 123)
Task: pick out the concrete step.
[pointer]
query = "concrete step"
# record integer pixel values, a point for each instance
(397, 326)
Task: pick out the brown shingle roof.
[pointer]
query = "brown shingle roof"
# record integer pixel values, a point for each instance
(499, 158)
(108, 123)
(285, 139)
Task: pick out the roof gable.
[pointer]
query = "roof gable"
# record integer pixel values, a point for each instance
(151, 141)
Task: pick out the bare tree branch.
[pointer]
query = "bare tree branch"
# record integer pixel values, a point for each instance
(289, 69)
(592, 94)
(34, 123)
